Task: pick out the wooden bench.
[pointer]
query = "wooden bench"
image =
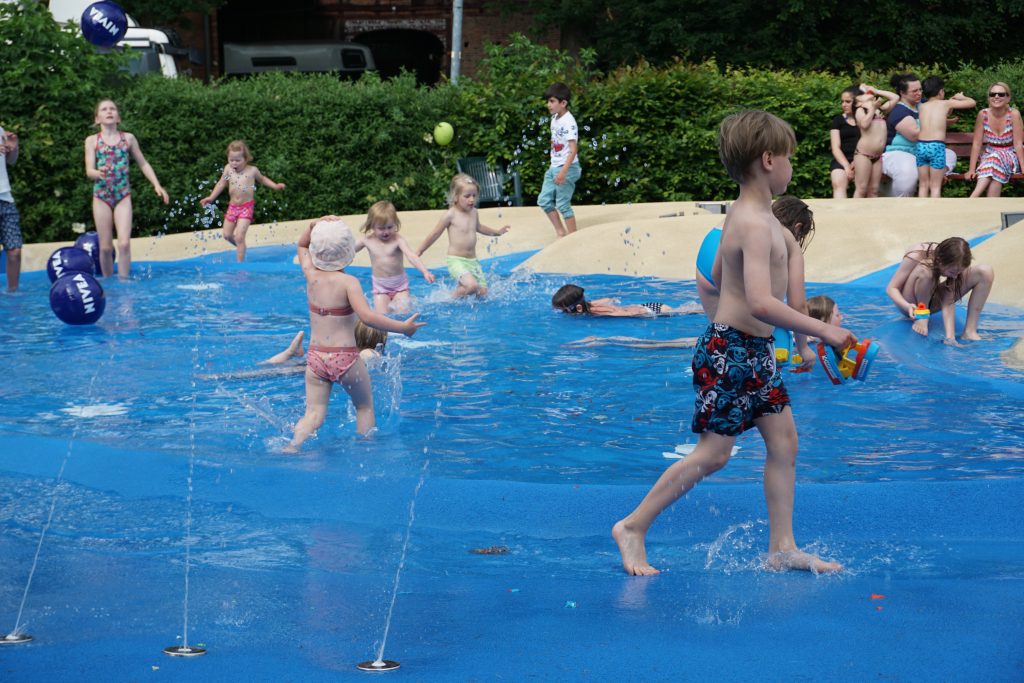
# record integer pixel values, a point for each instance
(960, 143)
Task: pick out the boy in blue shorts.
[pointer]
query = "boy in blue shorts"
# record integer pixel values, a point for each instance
(560, 179)
(10, 221)
(734, 373)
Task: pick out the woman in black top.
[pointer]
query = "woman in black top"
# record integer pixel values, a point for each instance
(844, 134)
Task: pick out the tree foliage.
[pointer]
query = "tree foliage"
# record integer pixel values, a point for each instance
(833, 35)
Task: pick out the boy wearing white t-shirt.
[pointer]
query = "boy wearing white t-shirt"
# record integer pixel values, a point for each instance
(560, 179)
(10, 221)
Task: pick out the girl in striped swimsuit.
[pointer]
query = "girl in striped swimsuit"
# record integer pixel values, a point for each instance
(1002, 156)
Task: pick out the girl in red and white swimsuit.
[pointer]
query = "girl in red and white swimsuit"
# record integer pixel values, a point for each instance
(336, 302)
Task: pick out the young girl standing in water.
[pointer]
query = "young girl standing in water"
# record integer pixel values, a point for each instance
(387, 250)
(106, 163)
(240, 179)
(938, 275)
(336, 302)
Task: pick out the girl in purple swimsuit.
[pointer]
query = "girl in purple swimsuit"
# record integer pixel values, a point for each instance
(106, 163)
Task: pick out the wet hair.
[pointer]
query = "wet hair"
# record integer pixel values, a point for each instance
(381, 212)
(369, 337)
(821, 307)
(568, 297)
(792, 211)
(952, 251)
(900, 82)
(460, 181)
(560, 91)
(744, 136)
(240, 146)
(932, 86)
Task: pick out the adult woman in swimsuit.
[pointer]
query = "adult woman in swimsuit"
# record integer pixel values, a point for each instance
(106, 163)
(999, 128)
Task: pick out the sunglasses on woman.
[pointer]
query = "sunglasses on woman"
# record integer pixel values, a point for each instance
(998, 94)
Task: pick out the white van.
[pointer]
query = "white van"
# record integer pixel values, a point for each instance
(152, 50)
(349, 60)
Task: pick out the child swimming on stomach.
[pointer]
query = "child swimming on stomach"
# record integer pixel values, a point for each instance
(336, 302)
(570, 299)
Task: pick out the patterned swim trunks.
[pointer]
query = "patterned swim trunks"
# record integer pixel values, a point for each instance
(237, 212)
(736, 380)
(931, 153)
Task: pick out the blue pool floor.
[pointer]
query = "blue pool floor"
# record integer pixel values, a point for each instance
(293, 562)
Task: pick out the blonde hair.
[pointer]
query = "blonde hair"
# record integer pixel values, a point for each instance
(96, 110)
(369, 337)
(240, 146)
(459, 182)
(380, 212)
(744, 136)
(821, 308)
(1009, 93)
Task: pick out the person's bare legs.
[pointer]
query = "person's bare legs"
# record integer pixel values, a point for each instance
(710, 455)
(840, 181)
(294, 350)
(318, 393)
(401, 302)
(979, 284)
(123, 225)
(876, 179)
(862, 168)
(356, 383)
(994, 189)
(935, 178)
(103, 218)
(13, 268)
(228, 232)
(241, 228)
(779, 433)
(570, 224)
(468, 286)
(556, 221)
(981, 186)
(923, 182)
(381, 303)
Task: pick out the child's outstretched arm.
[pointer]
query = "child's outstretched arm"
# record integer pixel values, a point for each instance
(796, 295)
(217, 189)
(895, 291)
(267, 182)
(415, 260)
(891, 98)
(432, 236)
(492, 232)
(357, 300)
(147, 170)
(962, 101)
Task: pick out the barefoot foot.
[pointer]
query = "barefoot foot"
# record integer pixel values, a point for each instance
(295, 348)
(631, 547)
(971, 336)
(798, 559)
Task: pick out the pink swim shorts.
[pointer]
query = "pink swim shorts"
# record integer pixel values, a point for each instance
(236, 212)
(390, 285)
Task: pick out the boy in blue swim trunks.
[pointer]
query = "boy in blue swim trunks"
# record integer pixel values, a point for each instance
(931, 139)
(463, 224)
(737, 383)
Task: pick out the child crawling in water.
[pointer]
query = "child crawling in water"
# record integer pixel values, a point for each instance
(570, 299)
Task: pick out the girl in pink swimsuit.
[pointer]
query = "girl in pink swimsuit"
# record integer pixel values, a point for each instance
(388, 251)
(106, 163)
(336, 302)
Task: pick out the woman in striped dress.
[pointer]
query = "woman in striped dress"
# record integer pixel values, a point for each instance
(1000, 129)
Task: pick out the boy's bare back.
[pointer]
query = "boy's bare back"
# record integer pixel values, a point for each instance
(754, 257)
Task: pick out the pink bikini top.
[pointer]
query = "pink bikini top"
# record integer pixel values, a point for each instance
(347, 310)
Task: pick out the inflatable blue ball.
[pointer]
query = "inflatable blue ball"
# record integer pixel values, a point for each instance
(77, 299)
(104, 23)
(69, 260)
(90, 241)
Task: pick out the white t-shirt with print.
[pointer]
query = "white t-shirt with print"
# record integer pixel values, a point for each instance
(563, 129)
(5, 184)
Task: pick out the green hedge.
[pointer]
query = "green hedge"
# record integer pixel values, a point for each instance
(647, 134)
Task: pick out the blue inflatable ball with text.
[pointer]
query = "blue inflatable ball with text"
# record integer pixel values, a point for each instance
(90, 241)
(69, 260)
(104, 23)
(77, 299)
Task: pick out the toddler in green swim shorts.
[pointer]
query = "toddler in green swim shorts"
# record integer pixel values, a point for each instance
(463, 224)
